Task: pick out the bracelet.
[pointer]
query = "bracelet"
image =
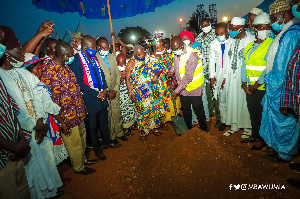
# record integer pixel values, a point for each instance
(131, 92)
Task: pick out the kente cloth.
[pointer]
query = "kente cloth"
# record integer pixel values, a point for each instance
(147, 107)
(126, 107)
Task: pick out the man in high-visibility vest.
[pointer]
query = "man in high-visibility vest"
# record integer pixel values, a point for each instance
(253, 73)
(188, 71)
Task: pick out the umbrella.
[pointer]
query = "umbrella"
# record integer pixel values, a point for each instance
(101, 9)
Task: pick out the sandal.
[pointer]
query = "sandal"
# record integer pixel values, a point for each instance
(143, 137)
(246, 135)
(134, 127)
(128, 132)
(165, 126)
(157, 133)
(229, 133)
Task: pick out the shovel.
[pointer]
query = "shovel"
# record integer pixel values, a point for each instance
(178, 122)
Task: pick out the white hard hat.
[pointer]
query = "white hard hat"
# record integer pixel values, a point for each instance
(262, 18)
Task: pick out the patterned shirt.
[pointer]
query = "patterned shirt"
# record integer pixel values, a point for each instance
(205, 41)
(65, 92)
(9, 128)
(290, 95)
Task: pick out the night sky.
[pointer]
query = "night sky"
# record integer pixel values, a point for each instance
(24, 18)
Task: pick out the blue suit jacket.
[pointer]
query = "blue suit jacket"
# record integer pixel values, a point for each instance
(93, 104)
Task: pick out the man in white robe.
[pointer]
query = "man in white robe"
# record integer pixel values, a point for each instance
(237, 114)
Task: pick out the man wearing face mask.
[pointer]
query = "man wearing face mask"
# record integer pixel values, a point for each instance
(93, 86)
(76, 41)
(280, 131)
(237, 115)
(250, 18)
(65, 92)
(188, 71)
(216, 72)
(205, 38)
(253, 73)
(112, 76)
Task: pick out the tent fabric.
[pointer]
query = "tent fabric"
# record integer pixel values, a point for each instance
(97, 9)
(67, 36)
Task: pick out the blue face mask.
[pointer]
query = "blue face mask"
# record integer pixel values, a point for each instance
(233, 34)
(91, 52)
(140, 59)
(295, 12)
(277, 27)
(2, 50)
(71, 59)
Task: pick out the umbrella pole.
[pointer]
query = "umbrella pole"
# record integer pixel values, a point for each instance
(111, 27)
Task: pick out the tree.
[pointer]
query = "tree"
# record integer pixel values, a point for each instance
(127, 34)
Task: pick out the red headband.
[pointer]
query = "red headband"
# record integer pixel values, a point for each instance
(189, 34)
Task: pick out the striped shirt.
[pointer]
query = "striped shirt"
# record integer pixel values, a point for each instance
(290, 95)
(9, 128)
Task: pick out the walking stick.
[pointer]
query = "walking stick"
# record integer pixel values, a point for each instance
(111, 27)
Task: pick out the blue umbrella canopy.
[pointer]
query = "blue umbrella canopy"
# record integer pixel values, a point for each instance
(97, 9)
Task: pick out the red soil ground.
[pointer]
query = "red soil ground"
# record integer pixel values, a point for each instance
(194, 165)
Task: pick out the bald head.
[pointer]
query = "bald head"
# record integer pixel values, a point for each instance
(63, 48)
(121, 60)
(176, 43)
(139, 52)
(51, 44)
(87, 40)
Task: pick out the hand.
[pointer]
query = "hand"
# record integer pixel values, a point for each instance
(169, 74)
(113, 34)
(103, 95)
(212, 83)
(174, 95)
(284, 111)
(41, 130)
(65, 129)
(154, 80)
(252, 88)
(111, 94)
(46, 32)
(246, 89)
(46, 24)
(133, 98)
(223, 83)
(21, 148)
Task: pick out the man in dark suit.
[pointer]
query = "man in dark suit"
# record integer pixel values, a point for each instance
(94, 88)
(109, 66)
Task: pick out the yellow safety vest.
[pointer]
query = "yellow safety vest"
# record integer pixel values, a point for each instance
(198, 77)
(256, 64)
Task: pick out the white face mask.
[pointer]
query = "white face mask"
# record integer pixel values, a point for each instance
(79, 47)
(2, 50)
(207, 29)
(104, 52)
(263, 34)
(16, 63)
(169, 51)
(178, 52)
(117, 53)
(187, 42)
(221, 38)
(159, 53)
(122, 68)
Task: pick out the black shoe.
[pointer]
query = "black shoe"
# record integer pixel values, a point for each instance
(123, 138)
(116, 142)
(90, 162)
(218, 124)
(222, 127)
(258, 145)
(86, 171)
(294, 183)
(295, 167)
(276, 158)
(112, 145)
(101, 156)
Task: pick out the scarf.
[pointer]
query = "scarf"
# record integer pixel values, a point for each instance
(89, 77)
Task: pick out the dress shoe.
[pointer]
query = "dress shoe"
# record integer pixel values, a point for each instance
(116, 142)
(258, 145)
(294, 183)
(112, 145)
(101, 156)
(276, 158)
(90, 162)
(222, 127)
(123, 138)
(85, 171)
(218, 124)
(295, 167)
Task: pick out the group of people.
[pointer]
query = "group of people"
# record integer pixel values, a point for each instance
(72, 98)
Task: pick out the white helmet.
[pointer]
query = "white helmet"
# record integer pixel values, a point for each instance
(262, 18)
